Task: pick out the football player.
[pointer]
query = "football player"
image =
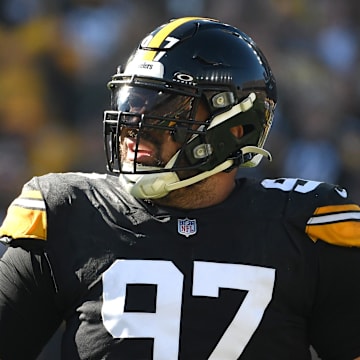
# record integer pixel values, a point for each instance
(171, 256)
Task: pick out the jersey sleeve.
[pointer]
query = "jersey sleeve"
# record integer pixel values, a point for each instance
(334, 328)
(335, 218)
(26, 216)
(28, 310)
(335, 224)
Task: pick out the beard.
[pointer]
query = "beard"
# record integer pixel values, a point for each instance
(189, 197)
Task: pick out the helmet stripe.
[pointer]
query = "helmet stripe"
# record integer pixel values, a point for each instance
(164, 32)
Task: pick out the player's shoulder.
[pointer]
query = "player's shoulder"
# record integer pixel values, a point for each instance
(291, 193)
(65, 183)
(28, 215)
(285, 187)
(57, 189)
(309, 191)
(324, 211)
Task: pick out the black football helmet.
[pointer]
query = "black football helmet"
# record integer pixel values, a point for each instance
(174, 68)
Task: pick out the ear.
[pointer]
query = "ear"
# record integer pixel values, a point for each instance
(237, 131)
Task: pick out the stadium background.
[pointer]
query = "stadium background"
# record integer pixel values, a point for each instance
(57, 56)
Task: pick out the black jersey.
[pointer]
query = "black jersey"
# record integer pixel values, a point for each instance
(270, 271)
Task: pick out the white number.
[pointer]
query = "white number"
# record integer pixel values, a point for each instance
(146, 40)
(257, 280)
(164, 325)
(171, 41)
(288, 184)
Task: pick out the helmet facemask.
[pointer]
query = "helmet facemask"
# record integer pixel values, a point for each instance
(143, 114)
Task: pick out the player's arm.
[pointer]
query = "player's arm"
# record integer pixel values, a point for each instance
(335, 228)
(28, 313)
(334, 329)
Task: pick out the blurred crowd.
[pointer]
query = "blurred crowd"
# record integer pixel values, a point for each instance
(57, 56)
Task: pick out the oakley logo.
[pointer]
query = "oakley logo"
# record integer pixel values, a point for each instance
(184, 78)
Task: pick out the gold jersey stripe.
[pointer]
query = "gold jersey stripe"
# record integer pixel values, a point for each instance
(341, 233)
(26, 217)
(336, 224)
(163, 33)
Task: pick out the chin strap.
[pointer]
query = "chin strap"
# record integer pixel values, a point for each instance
(158, 185)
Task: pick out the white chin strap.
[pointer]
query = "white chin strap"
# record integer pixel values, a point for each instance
(158, 185)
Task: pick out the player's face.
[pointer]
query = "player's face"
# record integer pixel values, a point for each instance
(154, 147)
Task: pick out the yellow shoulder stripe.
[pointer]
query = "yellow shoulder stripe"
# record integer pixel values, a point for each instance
(335, 224)
(26, 217)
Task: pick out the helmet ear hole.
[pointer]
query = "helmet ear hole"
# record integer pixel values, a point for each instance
(237, 131)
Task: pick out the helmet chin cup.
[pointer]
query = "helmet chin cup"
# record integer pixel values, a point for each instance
(149, 186)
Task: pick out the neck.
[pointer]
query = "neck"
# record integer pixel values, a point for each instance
(208, 192)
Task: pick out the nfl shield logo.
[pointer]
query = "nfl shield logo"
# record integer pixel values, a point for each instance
(187, 227)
